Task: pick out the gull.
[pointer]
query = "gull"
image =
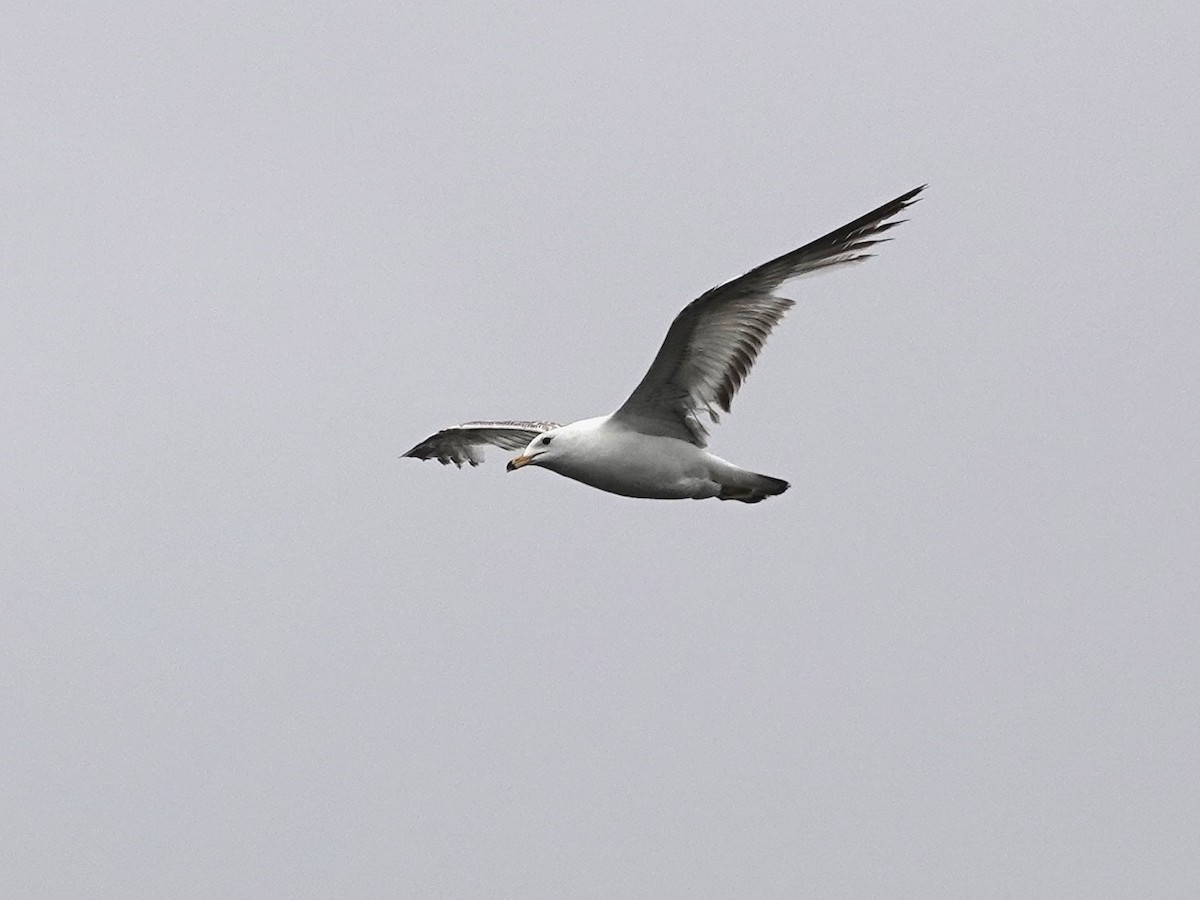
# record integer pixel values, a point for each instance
(653, 446)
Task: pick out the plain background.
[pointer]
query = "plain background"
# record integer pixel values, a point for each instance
(252, 253)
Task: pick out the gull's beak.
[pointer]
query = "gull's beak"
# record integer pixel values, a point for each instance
(522, 460)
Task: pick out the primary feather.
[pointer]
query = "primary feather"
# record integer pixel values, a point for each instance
(712, 344)
(464, 443)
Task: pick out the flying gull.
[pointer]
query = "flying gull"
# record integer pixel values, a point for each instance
(653, 446)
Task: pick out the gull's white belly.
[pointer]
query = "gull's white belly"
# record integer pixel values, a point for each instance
(637, 465)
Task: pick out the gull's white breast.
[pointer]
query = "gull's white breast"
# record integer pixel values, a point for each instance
(614, 458)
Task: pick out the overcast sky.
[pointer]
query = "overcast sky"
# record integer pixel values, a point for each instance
(252, 255)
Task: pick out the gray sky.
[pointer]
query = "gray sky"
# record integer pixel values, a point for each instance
(250, 257)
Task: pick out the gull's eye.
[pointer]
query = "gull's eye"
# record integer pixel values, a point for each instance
(546, 439)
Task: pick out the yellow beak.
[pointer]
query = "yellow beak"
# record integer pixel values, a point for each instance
(515, 464)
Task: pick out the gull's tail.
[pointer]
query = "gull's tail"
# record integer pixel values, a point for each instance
(750, 487)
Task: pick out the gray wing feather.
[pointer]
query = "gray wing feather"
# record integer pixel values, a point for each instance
(714, 341)
(464, 443)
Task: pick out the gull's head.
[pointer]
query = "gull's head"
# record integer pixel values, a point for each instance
(541, 450)
(562, 449)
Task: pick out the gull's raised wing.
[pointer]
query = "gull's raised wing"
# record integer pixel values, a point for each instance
(464, 443)
(714, 341)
